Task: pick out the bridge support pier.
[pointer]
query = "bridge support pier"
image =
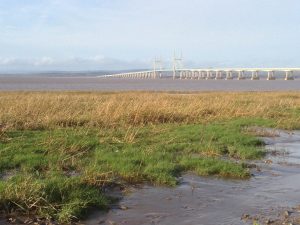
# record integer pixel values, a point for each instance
(255, 75)
(201, 74)
(289, 75)
(241, 75)
(187, 74)
(180, 75)
(229, 75)
(194, 74)
(271, 75)
(208, 75)
(174, 73)
(218, 75)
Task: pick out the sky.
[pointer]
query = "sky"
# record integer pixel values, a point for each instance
(129, 34)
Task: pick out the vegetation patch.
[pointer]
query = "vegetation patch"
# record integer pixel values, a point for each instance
(60, 173)
(61, 150)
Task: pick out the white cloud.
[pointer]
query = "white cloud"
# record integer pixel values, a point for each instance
(6, 61)
(72, 63)
(44, 61)
(9, 61)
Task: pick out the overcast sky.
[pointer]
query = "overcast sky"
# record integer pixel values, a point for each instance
(124, 34)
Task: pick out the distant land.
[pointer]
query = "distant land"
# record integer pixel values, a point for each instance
(86, 73)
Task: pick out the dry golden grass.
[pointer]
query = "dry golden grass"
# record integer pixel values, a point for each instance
(35, 110)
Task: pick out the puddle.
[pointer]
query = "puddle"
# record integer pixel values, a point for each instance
(211, 201)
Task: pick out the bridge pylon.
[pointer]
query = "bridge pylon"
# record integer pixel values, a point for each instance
(157, 65)
(177, 64)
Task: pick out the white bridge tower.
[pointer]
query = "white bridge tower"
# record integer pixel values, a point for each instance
(177, 64)
(157, 65)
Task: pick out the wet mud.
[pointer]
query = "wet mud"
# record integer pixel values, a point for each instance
(267, 196)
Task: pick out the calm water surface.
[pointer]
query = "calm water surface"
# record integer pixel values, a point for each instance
(114, 84)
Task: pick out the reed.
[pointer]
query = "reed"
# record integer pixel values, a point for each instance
(44, 110)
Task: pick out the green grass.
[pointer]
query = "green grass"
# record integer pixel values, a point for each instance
(60, 173)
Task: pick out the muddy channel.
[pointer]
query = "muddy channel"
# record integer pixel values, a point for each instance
(274, 187)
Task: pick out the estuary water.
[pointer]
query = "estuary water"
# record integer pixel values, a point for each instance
(40, 83)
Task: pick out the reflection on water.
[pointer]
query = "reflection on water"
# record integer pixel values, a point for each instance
(211, 201)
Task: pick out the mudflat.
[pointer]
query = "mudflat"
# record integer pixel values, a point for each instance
(268, 196)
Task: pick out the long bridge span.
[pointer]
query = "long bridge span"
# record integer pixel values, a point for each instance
(211, 73)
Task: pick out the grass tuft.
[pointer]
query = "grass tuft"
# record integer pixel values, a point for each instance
(59, 150)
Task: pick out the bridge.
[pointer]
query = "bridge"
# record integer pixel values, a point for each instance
(178, 72)
(210, 73)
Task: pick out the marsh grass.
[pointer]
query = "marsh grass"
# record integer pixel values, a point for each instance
(60, 173)
(63, 149)
(45, 110)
